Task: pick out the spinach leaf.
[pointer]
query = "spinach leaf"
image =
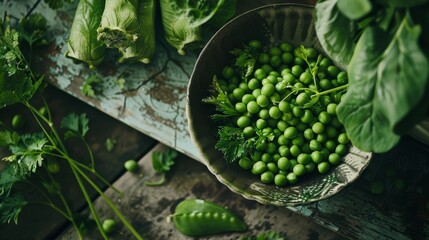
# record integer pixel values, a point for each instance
(335, 31)
(354, 9)
(387, 78)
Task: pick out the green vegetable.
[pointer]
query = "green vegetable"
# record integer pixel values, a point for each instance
(131, 165)
(162, 163)
(274, 122)
(183, 20)
(119, 27)
(91, 86)
(83, 44)
(195, 217)
(109, 225)
(144, 47)
(388, 67)
(110, 144)
(271, 235)
(18, 121)
(28, 151)
(355, 9)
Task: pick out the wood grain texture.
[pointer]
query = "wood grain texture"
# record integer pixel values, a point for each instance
(148, 208)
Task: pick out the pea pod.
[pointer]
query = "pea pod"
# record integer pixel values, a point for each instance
(196, 217)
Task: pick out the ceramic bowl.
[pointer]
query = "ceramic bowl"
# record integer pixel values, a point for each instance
(272, 23)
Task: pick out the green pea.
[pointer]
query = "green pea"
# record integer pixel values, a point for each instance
(297, 70)
(290, 132)
(253, 107)
(240, 107)
(289, 78)
(256, 44)
(283, 140)
(331, 132)
(275, 112)
(243, 121)
(284, 106)
(267, 177)
(227, 72)
(333, 71)
(295, 150)
(298, 141)
(316, 156)
(318, 127)
(259, 167)
(306, 78)
(276, 61)
(245, 163)
(321, 138)
(341, 149)
(323, 167)
(287, 58)
(330, 145)
(248, 132)
(280, 180)
(308, 134)
(263, 58)
(334, 158)
(274, 51)
(310, 167)
(261, 146)
(283, 164)
(253, 84)
(331, 108)
(342, 78)
(109, 225)
(315, 145)
(18, 121)
(256, 156)
(272, 167)
(53, 166)
(299, 61)
(131, 165)
(292, 178)
(284, 150)
(260, 74)
(303, 158)
(343, 138)
(299, 169)
(286, 47)
(297, 111)
(281, 87)
(271, 148)
(247, 98)
(325, 62)
(325, 84)
(264, 114)
(268, 89)
(324, 117)
(307, 117)
(256, 93)
(267, 68)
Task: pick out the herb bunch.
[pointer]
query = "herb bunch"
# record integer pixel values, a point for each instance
(29, 152)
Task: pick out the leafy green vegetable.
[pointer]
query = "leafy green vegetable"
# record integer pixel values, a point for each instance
(388, 72)
(11, 207)
(83, 44)
(220, 99)
(336, 32)
(245, 60)
(56, 4)
(91, 86)
(76, 125)
(33, 30)
(232, 143)
(110, 144)
(354, 9)
(144, 48)
(119, 27)
(183, 20)
(162, 163)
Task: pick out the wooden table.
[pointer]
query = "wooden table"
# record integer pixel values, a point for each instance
(153, 103)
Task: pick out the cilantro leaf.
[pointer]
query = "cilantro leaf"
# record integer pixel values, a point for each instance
(221, 101)
(17, 82)
(76, 125)
(8, 138)
(245, 60)
(90, 86)
(163, 161)
(27, 153)
(232, 143)
(10, 207)
(7, 179)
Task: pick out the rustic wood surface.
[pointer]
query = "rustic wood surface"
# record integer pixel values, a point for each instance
(153, 102)
(148, 207)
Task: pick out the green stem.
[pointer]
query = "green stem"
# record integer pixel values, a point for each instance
(35, 113)
(111, 205)
(75, 170)
(91, 155)
(330, 90)
(156, 183)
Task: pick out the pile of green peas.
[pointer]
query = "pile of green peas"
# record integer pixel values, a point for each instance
(275, 100)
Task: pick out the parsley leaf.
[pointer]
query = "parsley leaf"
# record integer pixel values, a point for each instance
(162, 161)
(27, 153)
(232, 143)
(76, 125)
(245, 60)
(220, 99)
(91, 86)
(8, 138)
(17, 82)
(10, 207)
(7, 179)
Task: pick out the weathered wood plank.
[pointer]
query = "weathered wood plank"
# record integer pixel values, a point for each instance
(39, 221)
(149, 207)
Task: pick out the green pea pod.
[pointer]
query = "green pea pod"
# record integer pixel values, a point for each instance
(196, 217)
(82, 43)
(144, 48)
(119, 27)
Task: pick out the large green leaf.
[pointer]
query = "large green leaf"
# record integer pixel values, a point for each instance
(335, 31)
(354, 9)
(387, 79)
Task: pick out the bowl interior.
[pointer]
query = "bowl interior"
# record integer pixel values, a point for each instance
(269, 24)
